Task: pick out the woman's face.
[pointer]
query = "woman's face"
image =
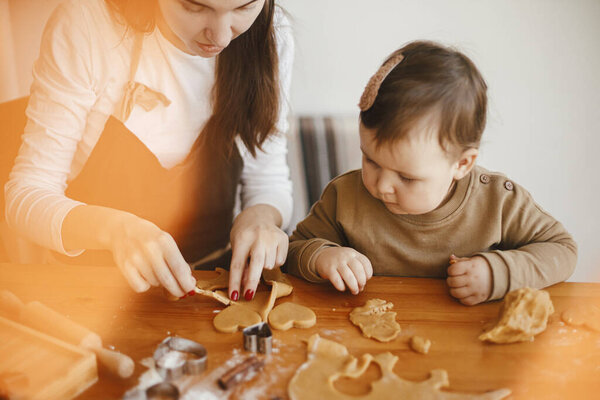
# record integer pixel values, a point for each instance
(206, 27)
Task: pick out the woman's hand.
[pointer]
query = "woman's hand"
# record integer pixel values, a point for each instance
(344, 267)
(469, 279)
(257, 243)
(145, 255)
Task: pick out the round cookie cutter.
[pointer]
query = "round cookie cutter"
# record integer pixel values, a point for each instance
(162, 391)
(176, 356)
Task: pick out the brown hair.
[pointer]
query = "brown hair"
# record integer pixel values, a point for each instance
(429, 80)
(245, 95)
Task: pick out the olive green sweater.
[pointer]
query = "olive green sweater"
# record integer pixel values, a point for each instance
(487, 215)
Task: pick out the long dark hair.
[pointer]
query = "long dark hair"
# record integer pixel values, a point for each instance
(245, 95)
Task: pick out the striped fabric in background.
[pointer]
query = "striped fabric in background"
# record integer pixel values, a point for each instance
(320, 148)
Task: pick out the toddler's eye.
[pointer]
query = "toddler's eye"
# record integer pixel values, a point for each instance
(405, 179)
(371, 162)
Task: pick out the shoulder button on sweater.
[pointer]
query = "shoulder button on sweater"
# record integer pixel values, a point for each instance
(508, 185)
(485, 179)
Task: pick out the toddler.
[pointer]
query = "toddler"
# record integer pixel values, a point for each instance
(420, 206)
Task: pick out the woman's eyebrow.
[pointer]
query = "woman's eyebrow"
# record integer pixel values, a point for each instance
(248, 3)
(204, 5)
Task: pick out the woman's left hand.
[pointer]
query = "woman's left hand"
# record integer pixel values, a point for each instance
(257, 242)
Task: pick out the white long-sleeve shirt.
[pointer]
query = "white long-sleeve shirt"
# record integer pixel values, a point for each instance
(79, 81)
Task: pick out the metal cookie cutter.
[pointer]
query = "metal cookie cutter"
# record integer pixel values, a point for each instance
(258, 338)
(162, 391)
(176, 356)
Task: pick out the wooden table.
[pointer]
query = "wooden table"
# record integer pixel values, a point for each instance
(562, 363)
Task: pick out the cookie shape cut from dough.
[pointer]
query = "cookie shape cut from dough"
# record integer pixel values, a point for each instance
(288, 315)
(328, 361)
(241, 314)
(523, 315)
(375, 320)
(583, 315)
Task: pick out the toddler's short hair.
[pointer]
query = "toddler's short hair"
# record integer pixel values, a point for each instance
(430, 81)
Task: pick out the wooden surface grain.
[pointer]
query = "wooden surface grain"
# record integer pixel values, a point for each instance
(561, 363)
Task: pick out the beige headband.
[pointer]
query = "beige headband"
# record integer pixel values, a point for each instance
(370, 93)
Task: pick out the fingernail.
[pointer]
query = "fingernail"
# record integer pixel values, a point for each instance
(249, 294)
(183, 297)
(191, 293)
(234, 295)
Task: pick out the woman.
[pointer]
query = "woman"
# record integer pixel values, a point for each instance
(144, 117)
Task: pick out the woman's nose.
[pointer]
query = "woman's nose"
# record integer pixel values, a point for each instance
(219, 32)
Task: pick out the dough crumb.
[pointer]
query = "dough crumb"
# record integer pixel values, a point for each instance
(420, 345)
(583, 315)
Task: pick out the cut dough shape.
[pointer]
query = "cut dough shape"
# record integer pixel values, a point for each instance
(420, 345)
(288, 315)
(240, 313)
(375, 320)
(234, 318)
(583, 315)
(328, 361)
(523, 315)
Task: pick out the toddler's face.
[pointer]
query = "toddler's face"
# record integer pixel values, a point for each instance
(410, 176)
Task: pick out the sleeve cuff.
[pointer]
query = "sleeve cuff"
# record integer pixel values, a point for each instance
(500, 275)
(308, 269)
(281, 201)
(57, 223)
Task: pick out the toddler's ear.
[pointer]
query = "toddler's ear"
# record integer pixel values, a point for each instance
(465, 163)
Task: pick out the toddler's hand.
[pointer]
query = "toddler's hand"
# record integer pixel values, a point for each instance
(344, 267)
(469, 279)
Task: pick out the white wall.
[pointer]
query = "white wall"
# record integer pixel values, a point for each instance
(541, 60)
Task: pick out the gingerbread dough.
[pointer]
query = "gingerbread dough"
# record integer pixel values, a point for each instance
(523, 315)
(328, 361)
(375, 320)
(241, 314)
(420, 345)
(583, 315)
(288, 315)
(220, 282)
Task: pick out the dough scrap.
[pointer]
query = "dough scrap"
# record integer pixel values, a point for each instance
(220, 282)
(420, 345)
(583, 315)
(218, 295)
(523, 315)
(288, 315)
(328, 361)
(375, 320)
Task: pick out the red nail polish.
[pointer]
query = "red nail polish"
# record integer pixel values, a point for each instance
(249, 294)
(191, 293)
(183, 297)
(234, 295)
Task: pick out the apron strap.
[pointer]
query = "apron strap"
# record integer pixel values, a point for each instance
(138, 93)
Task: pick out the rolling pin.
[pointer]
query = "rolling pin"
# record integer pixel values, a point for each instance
(44, 319)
